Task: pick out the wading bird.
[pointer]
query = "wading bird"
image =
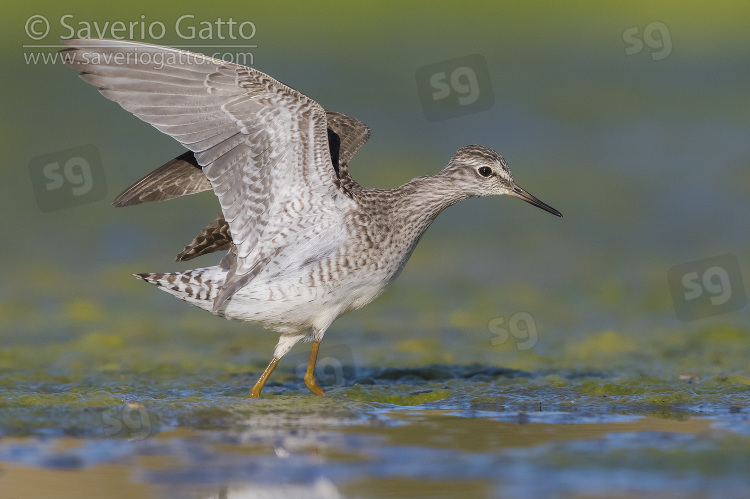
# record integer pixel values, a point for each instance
(305, 243)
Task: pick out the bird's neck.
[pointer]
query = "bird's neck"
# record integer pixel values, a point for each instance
(421, 200)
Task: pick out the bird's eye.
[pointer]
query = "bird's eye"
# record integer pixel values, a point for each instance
(485, 171)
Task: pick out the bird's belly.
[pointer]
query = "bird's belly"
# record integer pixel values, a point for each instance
(293, 304)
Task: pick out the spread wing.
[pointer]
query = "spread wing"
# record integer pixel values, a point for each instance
(183, 175)
(262, 145)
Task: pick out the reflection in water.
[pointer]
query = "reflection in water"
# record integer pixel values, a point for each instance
(413, 451)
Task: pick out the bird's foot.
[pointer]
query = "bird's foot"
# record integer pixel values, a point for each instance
(312, 384)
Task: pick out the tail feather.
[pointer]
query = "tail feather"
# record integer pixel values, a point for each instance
(198, 286)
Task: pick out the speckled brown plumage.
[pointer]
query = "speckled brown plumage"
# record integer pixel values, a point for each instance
(178, 177)
(214, 237)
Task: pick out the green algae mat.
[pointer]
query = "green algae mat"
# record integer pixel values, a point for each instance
(604, 354)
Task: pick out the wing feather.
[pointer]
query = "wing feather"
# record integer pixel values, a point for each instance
(261, 144)
(178, 177)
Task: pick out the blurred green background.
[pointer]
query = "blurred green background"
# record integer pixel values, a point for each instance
(631, 118)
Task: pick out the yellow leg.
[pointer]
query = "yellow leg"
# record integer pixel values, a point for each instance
(310, 373)
(255, 392)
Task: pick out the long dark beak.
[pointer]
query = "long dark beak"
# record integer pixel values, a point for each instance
(522, 194)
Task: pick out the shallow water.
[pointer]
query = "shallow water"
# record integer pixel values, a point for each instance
(184, 428)
(498, 440)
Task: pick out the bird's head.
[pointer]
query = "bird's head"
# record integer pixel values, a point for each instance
(483, 172)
